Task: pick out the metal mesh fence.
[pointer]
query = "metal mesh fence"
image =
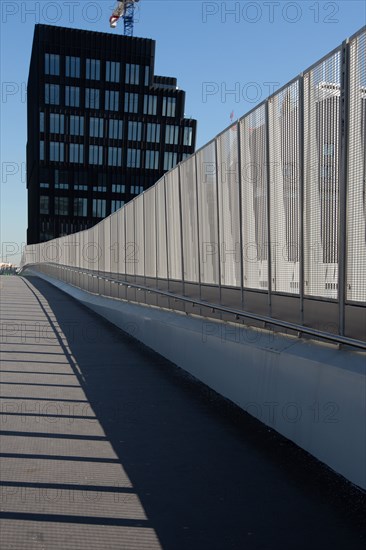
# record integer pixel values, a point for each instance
(268, 207)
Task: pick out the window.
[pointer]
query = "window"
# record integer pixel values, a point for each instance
(76, 125)
(41, 122)
(133, 158)
(328, 149)
(118, 188)
(153, 132)
(99, 208)
(99, 189)
(185, 156)
(44, 185)
(131, 103)
(136, 189)
(76, 153)
(61, 178)
(152, 160)
(78, 187)
(114, 156)
(150, 104)
(56, 151)
(111, 100)
(95, 154)
(115, 129)
(93, 69)
(171, 134)
(73, 66)
(61, 206)
(170, 160)
(57, 123)
(112, 71)
(44, 204)
(52, 64)
(80, 206)
(134, 131)
(188, 136)
(52, 94)
(132, 74)
(116, 205)
(169, 106)
(72, 96)
(96, 127)
(92, 98)
(147, 76)
(41, 150)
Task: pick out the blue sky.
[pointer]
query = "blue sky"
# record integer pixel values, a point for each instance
(227, 56)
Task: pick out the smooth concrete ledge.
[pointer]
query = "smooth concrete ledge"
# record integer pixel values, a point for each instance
(314, 394)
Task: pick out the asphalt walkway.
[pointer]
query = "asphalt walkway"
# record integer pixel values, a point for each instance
(105, 445)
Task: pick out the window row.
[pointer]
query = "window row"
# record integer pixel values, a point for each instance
(134, 74)
(115, 129)
(112, 100)
(114, 156)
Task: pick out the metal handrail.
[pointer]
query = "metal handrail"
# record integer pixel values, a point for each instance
(300, 329)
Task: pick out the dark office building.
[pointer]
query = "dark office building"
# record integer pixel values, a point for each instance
(101, 127)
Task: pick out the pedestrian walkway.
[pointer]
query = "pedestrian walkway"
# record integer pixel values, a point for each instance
(105, 445)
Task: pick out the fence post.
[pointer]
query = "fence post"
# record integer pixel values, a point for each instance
(269, 260)
(181, 227)
(240, 219)
(218, 219)
(301, 196)
(198, 230)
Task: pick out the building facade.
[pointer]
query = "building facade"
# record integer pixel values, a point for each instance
(102, 127)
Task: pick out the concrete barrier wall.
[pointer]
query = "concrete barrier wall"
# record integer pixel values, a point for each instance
(314, 394)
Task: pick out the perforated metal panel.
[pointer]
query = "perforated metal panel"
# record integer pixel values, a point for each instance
(285, 169)
(229, 215)
(207, 214)
(356, 189)
(173, 225)
(106, 252)
(121, 241)
(130, 248)
(189, 220)
(150, 233)
(254, 200)
(139, 236)
(114, 242)
(321, 177)
(161, 235)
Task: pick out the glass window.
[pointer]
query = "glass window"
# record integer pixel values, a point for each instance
(134, 131)
(52, 94)
(185, 156)
(132, 74)
(170, 160)
(95, 154)
(153, 132)
(115, 129)
(73, 66)
(150, 104)
(62, 206)
(114, 156)
(76, 125)
(133, 158)
(152, 160)
(111, 100)
(93, 69)
(57, 123)
(116, 205)
(136, 189)
(52, 64)
(96, 127)
(99, 208)
(113, 69)
(169, 106)
(44, 185)
(131, 103)
(41, 122)
(72, 96)
(92, 96)
(61, 178)
(41, 150)
(171, 134)
(57, 151)
(188, 136)
(80, 206)
(118, 188)
(76, 153)
(147, 76)
(44, 204)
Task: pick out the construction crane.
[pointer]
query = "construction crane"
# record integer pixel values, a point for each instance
(125, 9)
